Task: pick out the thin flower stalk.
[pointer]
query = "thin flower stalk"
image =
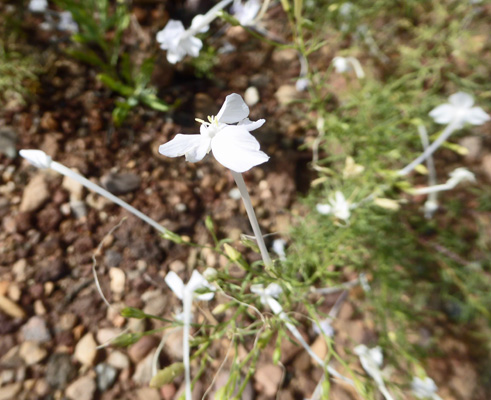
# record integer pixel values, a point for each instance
(41, 160)
(239, 180)
(450, 128)
(267, 296)
(186, 293)
(431, 205)
(371, 360)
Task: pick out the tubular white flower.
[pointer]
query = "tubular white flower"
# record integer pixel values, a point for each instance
(232, 145)
(456, 176)
(424, 388)
(371, 360)
(337, 206)
(246, 12)
(186, 293)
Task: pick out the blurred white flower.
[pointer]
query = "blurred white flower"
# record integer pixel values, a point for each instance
(459, 109)
(346, 64)
(67, 23)
(424, 388)
(371, 360)
(232, 145)
(459, 175)
(324, 326)
(456, 176)
(196, 282)
(178, 42)
(341, 64)
(267, 296)
(279, 248)
(187, 293)
(337, 206)
(38, 5)
(245, 12)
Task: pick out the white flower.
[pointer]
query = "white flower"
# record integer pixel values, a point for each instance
(371, 360)
(186, 293)
(324, 326)
(232, 145)
(460, 175)
(178, 42)
(38, 158)
(279, 248)
(302, 84)
(38, 5)
(196, 282)
(337, 206)
(424, 388)
(267, 296)
(346, 64)
(459, 108)
(67, 23)
(341, 64)
(245, 12)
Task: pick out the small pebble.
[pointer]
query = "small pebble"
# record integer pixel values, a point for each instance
(251, 96)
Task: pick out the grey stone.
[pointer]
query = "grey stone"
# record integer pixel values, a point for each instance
(35, 330)
(106, 375)
(121, 183)
(8, 140)
(60, 370)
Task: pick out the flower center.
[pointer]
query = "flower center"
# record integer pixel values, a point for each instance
(212, 127)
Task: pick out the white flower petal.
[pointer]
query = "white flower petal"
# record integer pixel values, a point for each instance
(251, 125)
(38, 158)
(169, 36)
(191, 45)
(175, 56)
(194, 147)
(443, 114)
(258, 288)
(197, 24)
(273, 290)
(235, 148)
(196, 282)
(175, 284)
(234, 109)
(341, 64)
(274, 305)
(461, 100)
(323, 209)
(476, 116)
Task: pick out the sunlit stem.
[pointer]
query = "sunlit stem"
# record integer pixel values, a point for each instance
(44, 161)
(432, 201)
(186, 303)
(103, 192)
(294, 331)
(456, 123)
(239, 180)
